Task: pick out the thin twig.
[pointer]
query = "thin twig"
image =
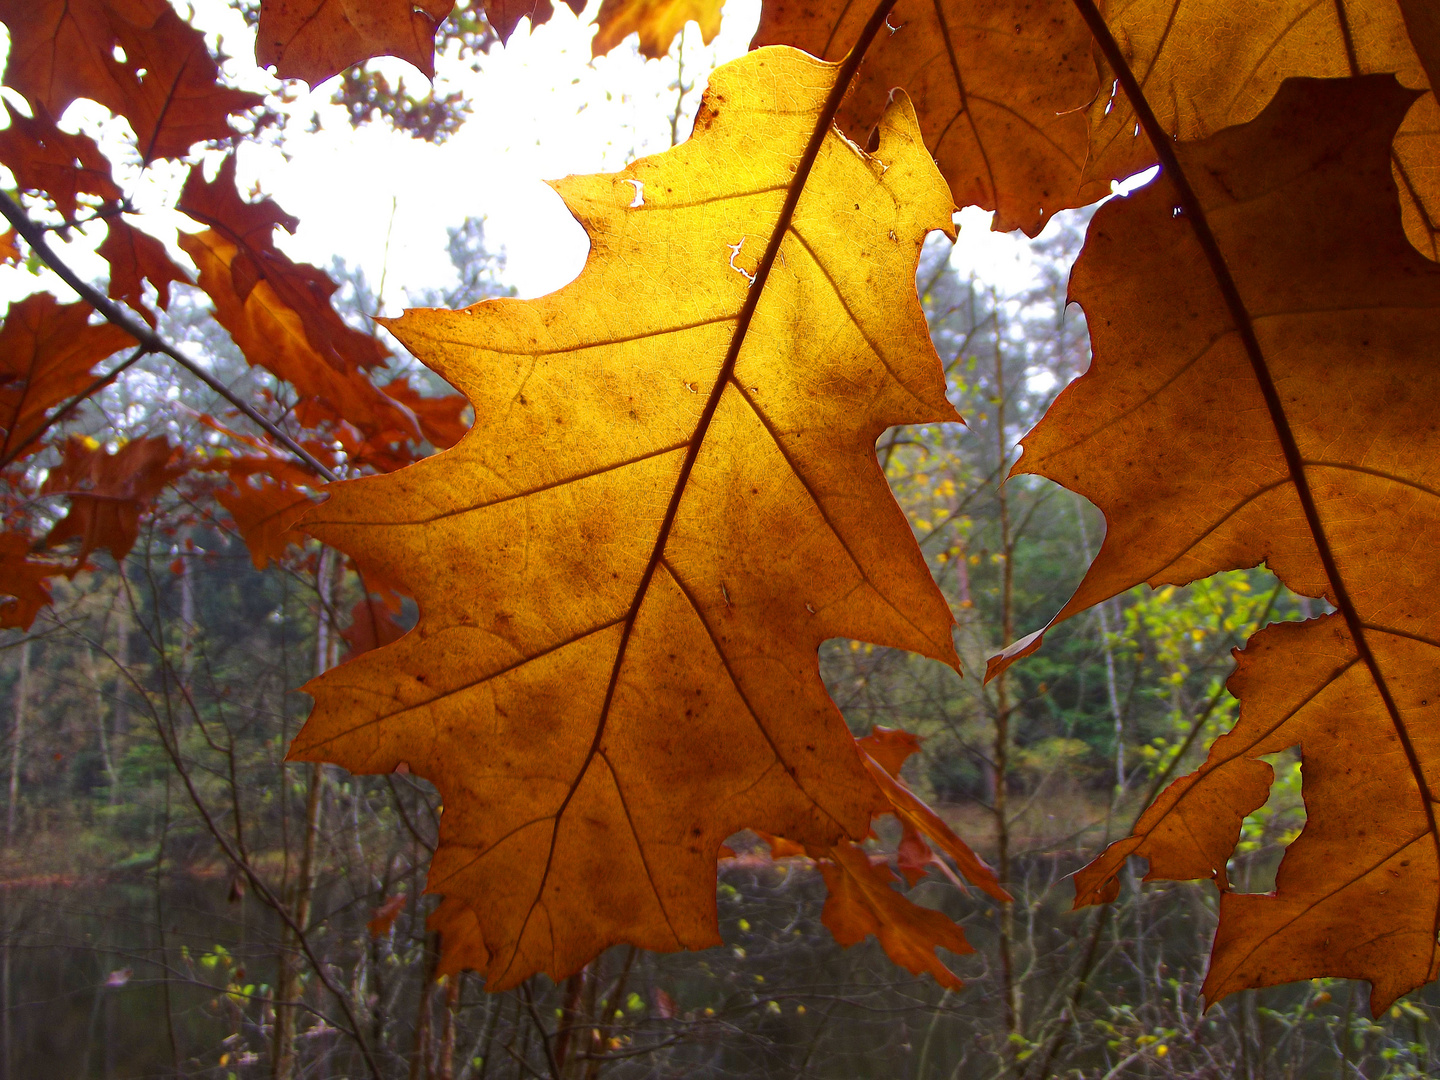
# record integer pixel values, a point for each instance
(149, 340)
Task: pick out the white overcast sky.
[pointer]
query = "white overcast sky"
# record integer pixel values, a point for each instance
(541, 108)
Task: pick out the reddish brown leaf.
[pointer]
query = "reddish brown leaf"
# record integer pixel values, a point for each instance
(265, 511)
(135, 256)
(273, 335)
(442, 419)
(863, 901)
(305, 290)
(999, 85)
(1283, 413)
(505, 15)
(891, 747)
(780, 848)
(23, 579)
(173, 98)
(371, 626)
(54, 162)
(315, 39)
(10, 248)
(47, 354)
(165, 85)
(913, 813)
(61, 50)
(108, 492)
(383, 918)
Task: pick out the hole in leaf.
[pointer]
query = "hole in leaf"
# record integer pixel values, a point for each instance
(1269, 830)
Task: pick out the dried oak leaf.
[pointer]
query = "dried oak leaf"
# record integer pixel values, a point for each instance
(669, 498)
(658, 22)
(863, 900)
(1000, 87)
(505, 15)
(135, 257)
(173, 97)
(265, 511)
(24, 579)
(383, 917)
(48, 352)
(891, 747)
(163, 79)
(61, 50)
(279, 314)
(315, 39)
(1333, 482)
(108, 492)
(372, 624)
(54, 162)
(1208, 66)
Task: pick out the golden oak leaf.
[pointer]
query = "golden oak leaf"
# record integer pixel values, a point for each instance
(265, 511)
(863, 900)
(24, 579)
(108, 492)
(135, 257)
(462, 946)
(48, 352)
(669, 498)
(1288, 422)
(658, 22)
(1208, 66)
(315, 39)
(54, 162)
(1422, 22)
(1000, 87)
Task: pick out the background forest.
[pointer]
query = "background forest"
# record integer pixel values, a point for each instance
(176, 900)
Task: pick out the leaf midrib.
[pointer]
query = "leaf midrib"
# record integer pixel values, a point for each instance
(823, 122)
(1294, 460)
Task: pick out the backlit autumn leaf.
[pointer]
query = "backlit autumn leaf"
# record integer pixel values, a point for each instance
(134, 258)
(24, 579)
(1290, 422)
(999, 85)
(108, 492)
(48, 353)
(173, 98)
(138, 58)
(863, 900)
(669, 498)
(54, 162)
(505, 15)
(315, 39)
(658, 22)
(61, 50)
(1206, 66)
(265, 511)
